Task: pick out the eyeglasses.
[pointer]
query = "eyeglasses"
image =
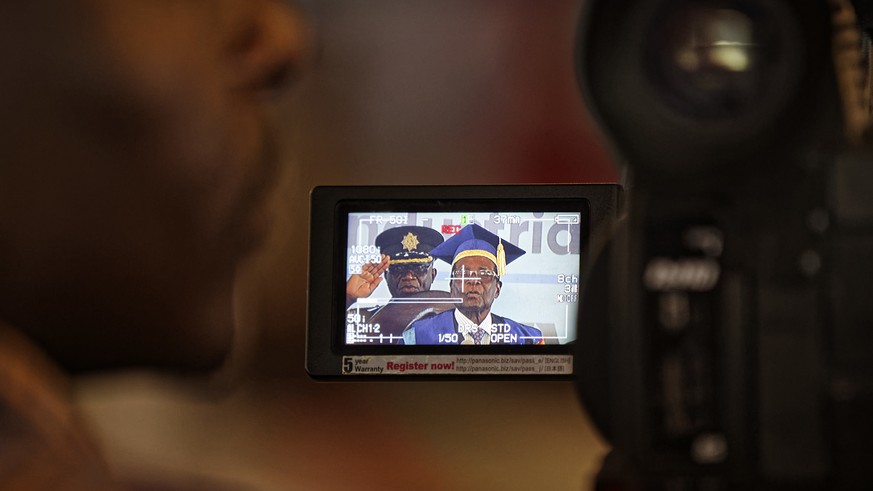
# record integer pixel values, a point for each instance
(486, 276)
(419, 269)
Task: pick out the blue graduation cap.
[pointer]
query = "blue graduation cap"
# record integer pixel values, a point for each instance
(474, 240)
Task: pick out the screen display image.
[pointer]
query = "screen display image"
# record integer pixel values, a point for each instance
(462, 277)
(452, 282)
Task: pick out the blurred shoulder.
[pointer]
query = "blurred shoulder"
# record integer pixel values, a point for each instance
(43, 443)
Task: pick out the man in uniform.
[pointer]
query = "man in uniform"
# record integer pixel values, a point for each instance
(408, 270)
(406, 263)
(478, 258)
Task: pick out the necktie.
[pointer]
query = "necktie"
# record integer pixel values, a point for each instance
(478, 333)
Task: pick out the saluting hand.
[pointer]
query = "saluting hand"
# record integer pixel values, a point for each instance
(362, 285)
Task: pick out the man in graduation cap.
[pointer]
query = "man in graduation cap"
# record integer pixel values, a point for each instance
(478, 258)
(406, 264)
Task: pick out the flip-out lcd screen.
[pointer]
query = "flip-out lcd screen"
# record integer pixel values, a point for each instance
(450, 281)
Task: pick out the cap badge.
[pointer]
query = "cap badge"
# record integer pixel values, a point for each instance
(410, 242)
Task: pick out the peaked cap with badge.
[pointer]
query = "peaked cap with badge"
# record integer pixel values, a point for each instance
(408, 244)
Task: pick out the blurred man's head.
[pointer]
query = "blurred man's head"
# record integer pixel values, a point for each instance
(134, 158)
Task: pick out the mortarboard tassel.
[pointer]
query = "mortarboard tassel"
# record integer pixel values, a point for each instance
(501, 259)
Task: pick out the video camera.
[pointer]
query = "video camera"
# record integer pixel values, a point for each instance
(715, 314)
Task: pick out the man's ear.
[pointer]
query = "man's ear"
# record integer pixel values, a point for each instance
(433, 272)
(497, 292)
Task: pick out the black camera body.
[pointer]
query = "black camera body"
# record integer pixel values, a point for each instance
(736, 292)
(722, 334)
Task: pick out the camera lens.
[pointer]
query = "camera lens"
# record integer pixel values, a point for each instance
(714, 60)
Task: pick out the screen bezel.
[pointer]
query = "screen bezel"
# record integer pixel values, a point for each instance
(329, 238)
